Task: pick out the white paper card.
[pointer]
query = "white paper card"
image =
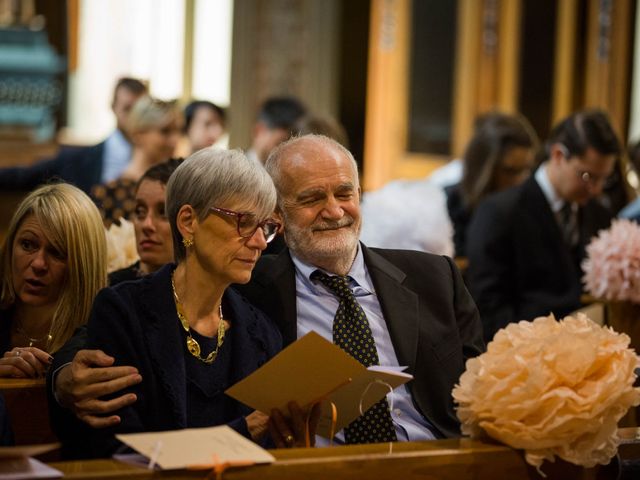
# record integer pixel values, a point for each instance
(196, 447)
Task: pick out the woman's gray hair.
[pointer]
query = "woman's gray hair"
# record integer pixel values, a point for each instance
(212, 177)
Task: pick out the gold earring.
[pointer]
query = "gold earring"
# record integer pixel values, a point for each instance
(187, 242)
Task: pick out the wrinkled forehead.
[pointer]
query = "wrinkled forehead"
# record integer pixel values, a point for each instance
(312, 163)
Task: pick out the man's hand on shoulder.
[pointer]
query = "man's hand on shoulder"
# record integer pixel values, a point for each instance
(80, 385)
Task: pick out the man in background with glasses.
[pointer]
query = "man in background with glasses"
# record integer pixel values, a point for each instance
(525, 245)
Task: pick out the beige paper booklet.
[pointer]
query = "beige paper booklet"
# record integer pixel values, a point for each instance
(195, 447)
(313, 369)
(16, 464)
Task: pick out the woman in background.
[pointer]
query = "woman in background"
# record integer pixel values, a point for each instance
(204, 125)
(501, 154)
(52, 265)
(154, 128)
(151, 225)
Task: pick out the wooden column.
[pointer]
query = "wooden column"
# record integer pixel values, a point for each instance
(608, 59)
(282, 47)
(387, 91)
(564, 68)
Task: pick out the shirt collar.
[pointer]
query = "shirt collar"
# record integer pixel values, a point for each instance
(542, 177)
(358, 271)
(118, 139)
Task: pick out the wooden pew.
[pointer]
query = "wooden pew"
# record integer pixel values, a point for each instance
(26, 402)
(455, 459)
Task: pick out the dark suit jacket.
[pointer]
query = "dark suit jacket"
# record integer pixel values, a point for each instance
(460, 216)
(433, 322)
(80, 166)
(519, 265)
(136, 323)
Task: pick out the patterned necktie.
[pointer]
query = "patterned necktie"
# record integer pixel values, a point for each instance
(569, 225)
(352, 333)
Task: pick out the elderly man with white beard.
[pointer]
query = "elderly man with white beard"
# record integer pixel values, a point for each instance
(386, 307)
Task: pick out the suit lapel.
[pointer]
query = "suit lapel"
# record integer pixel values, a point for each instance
(279, 285)
(540, 209)
(543, 217)
(167, 355)
(399, 305)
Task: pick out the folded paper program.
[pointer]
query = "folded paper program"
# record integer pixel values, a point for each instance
(313, 369)
(552, 388)
(196, 448)
(16, 462)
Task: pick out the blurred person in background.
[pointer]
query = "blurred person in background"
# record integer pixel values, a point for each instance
(525, 244)
(408, 215)
(322, 125)
(85, 166)
(500, 155)
(276, 123)
(151, 225)
(154, 127)
(204, 125)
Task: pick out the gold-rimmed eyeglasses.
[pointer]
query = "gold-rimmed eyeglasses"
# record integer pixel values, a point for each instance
(247, 223)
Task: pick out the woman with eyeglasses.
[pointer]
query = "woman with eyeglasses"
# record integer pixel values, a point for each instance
(186, 330)
(501, 154)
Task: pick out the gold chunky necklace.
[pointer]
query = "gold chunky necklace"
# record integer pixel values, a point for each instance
(192, 344)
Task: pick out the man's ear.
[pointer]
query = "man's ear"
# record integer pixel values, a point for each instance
(558, 153)
(187, 221)
(277, 215)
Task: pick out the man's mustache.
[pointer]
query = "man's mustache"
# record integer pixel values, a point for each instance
(331, 225)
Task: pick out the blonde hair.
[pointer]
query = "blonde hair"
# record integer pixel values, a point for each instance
(72, 224)
(149, 112)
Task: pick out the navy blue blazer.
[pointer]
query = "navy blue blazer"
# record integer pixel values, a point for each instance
(80, 166)
(136, 323)
(519, 265)
(432, 320)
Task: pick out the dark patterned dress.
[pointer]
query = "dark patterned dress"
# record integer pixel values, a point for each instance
(115, 200)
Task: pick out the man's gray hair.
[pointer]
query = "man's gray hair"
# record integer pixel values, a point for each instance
(273, 164)
(210, 178)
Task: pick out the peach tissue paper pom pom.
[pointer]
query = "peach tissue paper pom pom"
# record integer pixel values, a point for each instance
(612, 266)
(121, 246)
(552, 388)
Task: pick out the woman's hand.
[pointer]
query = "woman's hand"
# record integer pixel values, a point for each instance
(292, 432)
(25, 362)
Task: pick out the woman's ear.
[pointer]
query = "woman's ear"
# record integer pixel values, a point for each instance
(187, 221)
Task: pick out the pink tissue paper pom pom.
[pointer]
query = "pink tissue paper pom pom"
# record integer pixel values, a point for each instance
(612, 267)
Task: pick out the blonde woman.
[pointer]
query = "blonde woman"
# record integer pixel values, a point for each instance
(52, 265)
(154, 127)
